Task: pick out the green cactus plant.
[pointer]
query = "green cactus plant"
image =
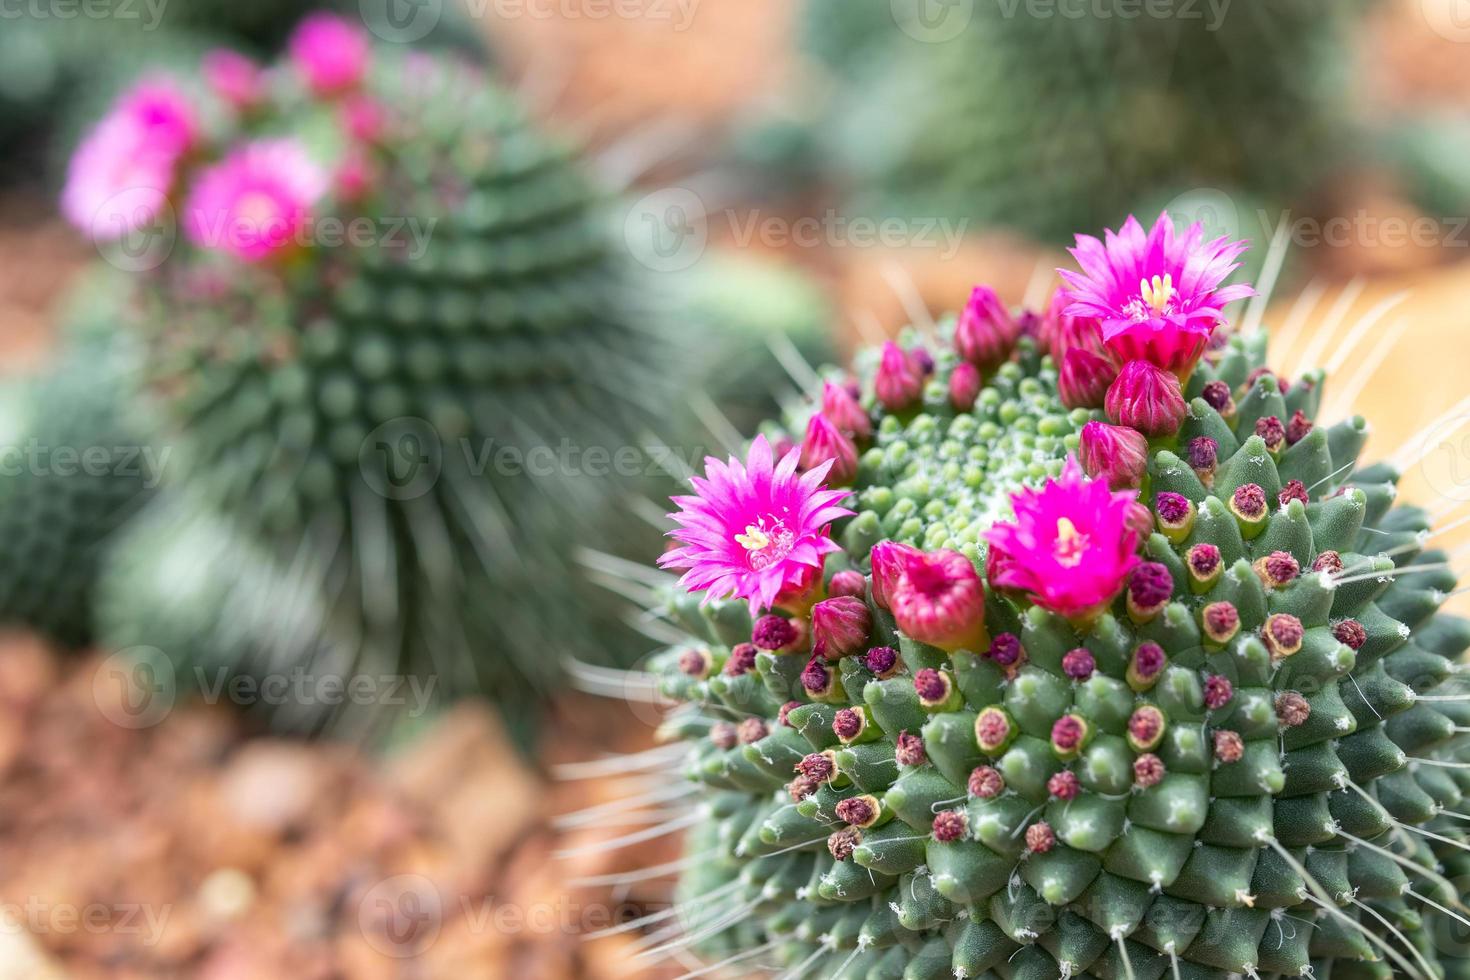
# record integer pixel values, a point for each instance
(1048, 123)
(1247, 763)
(399, 408)
(75, 469)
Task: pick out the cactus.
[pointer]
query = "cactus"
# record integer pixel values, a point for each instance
(75, 469)
(1119, 664)
(1048, 123)
(355, 402)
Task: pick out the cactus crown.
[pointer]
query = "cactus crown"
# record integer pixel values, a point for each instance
(1193, 717)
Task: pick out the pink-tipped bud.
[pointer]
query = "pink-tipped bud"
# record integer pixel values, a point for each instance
(1283, 634)
(1217, 395)
(236, 79)
(1113, 453)
(994, 730)
(817, 766)
(1150, 588)
(964, 386)
(840, 627)
(841, 409)
(1079, 664)
(986, 783)
(1229, 747)
(1006, 650)
(843, 842)
(364, 118)
(1069, 734)
(1272, 433)
(986, 333)
(1139, 518)
(908, 750)
(1148, 770)
(1176, 515)
(1064, 785)
(1221, 622)
(1205, 564)
(1350, 633)
(940, 600)
(859, 811)
(823, 441)
(696, 663)
(883, 662)
(1297, 428)
(898, 383)
(774, 633)
(888, 569)
(1294, 490)
(1146, 665)
(1248, 503)
(742, 660)
(1277, 569)
(752, 730)
(849, 724)
(783, 717)
(1145, 728)
(1218, 691)
(848, 583)
(950, 825)
(724, 735)
(818, 679)
(1083, 378)
(801, 787)
(1040, 838)
(1292, 709)
(1204, 457)
(1328, 561)
(1148, 399)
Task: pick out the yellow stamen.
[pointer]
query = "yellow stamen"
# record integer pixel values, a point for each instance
(1071, 543)
(754, 539)
(1066, 531)
(1157, 292)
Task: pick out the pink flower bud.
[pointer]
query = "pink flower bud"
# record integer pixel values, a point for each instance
(233, 77)
(985, 334)
(841, 409)
(840, 627)
(964, 386)
(1113, 453)
(940, 600)
(1148, 399)
(898, 382)
(330, 52)
(1083, 378)
(848, 582)
(823, 441)
(888, 569)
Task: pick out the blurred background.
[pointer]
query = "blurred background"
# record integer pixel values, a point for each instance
(316, 572)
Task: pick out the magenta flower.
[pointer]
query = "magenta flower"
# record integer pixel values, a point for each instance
(939, 599)
(1071, 546)
(234, 78)
(1156, 296)
(986, 333)
(754, 529)
(824, 443)
(330, 52)
(119, 178)
(255, 202)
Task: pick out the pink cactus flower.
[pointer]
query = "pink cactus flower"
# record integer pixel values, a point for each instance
(236, 79)
(843, 411)
(119, 178)
(1157, 296)
(754, 529)
(899, 381)
(255, 202)
(1113, 453)
(986, 332)
(330, 52)
(940, 600)
(1071, 547)
(825, 443)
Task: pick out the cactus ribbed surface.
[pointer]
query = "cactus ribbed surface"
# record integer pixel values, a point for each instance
(74, 471)
(1244, 763)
